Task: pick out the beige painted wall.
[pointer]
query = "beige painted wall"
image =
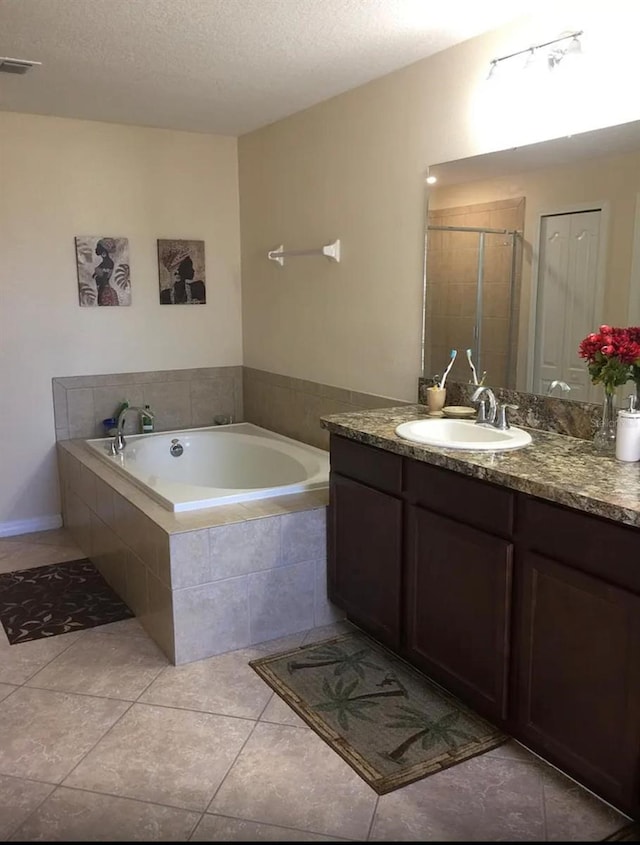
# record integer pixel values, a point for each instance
(60, 178)
(353, 168)
(613, 180)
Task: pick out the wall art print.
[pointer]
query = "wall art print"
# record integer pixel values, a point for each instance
(103, 270)
(182, 273)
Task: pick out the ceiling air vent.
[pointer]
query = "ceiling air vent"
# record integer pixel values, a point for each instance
(8, 65)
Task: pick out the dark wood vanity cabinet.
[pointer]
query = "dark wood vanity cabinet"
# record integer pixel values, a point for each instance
(577, 657)
(364, 538)
(457, 591)
(526, 610)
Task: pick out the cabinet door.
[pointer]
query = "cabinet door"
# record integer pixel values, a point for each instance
(458, 598)
(579, 679)
(364, 556)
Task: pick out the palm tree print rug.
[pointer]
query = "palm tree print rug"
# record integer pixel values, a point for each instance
(55, 599)
(388, 721)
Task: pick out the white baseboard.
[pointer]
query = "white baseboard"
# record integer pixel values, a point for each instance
(26, 526)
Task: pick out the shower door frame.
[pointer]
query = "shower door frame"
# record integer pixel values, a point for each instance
(481, 231)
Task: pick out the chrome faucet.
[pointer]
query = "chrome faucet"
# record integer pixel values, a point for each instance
(497, 416)
(483, 417)
(118, 443)
(564, 387)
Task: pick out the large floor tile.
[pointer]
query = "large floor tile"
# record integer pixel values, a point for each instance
(327, 632)
(44, 734)
(72, 815)
(115, 666)
(160, 754)
(20, 556)
(19, 798)
(129, 627)
(5, 689)
(224, 829)
(483, 799)
(279, 712)
(20, 662)
(289, 777)
(225, 684)
(51, 537)
(575, 815)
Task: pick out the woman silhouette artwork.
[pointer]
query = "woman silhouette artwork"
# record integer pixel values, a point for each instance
(103, 272)
(184, 290)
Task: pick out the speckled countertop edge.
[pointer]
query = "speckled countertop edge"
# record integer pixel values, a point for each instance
(554, 467)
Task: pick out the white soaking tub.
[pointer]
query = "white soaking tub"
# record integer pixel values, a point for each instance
(218, 465)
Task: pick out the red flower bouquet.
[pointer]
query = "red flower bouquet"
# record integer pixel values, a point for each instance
(612, 355)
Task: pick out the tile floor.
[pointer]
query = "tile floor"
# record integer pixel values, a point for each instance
(102, 739)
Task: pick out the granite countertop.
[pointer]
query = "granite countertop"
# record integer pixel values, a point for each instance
(555, 467)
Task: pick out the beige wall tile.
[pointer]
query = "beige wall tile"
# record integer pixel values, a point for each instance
(190, 558)
(210, 619)
(158, 618)
(81, 412)
(210, 397)
(136, 594)
(171, 404)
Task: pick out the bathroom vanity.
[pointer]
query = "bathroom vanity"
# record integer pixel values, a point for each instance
(511, 579)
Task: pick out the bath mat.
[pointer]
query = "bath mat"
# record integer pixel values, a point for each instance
(55, 599)
(384, 718)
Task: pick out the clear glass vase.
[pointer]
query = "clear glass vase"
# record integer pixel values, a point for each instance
(604, 440)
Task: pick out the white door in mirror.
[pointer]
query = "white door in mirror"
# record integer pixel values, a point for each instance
(462, 434)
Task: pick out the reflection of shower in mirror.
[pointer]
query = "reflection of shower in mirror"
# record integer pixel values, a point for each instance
(471, 275)
(574, 263)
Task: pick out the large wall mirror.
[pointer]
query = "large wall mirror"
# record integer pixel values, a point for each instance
(527, 251)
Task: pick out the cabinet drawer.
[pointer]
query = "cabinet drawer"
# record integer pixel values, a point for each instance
(473, 502)
(367, 464)
(589, 543)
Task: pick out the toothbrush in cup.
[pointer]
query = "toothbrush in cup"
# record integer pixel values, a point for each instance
(454, 352)
(473, 369)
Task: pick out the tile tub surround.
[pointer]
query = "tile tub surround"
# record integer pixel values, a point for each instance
(179, 399)
(555, 467)
(293, 406)
(547, 413)
(200, 582)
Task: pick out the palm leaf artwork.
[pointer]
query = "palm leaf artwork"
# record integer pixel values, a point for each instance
(87, 294)
(344, 661)
(121, 276)
(430, 731)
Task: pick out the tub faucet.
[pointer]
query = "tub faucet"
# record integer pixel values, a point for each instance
(118, 443)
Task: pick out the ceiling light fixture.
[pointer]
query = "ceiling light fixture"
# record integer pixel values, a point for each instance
(20, 66)
(554, 56)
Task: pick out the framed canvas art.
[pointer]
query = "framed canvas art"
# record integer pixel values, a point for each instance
(181, 272)
(103, 270)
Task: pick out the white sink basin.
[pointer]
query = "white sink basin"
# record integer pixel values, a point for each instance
(462, 434)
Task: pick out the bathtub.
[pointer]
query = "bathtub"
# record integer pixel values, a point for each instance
(217, 465)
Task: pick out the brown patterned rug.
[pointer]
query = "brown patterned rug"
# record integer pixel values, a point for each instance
(388, 721)
(55, 599)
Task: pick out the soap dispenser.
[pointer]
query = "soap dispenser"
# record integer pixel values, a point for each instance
(628, 433)
(147, 421)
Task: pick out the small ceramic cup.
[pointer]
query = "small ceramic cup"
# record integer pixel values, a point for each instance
(435, 399)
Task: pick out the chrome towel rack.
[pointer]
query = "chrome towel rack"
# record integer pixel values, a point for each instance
(331, 251)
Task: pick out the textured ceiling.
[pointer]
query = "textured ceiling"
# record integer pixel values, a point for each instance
(222, 66)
